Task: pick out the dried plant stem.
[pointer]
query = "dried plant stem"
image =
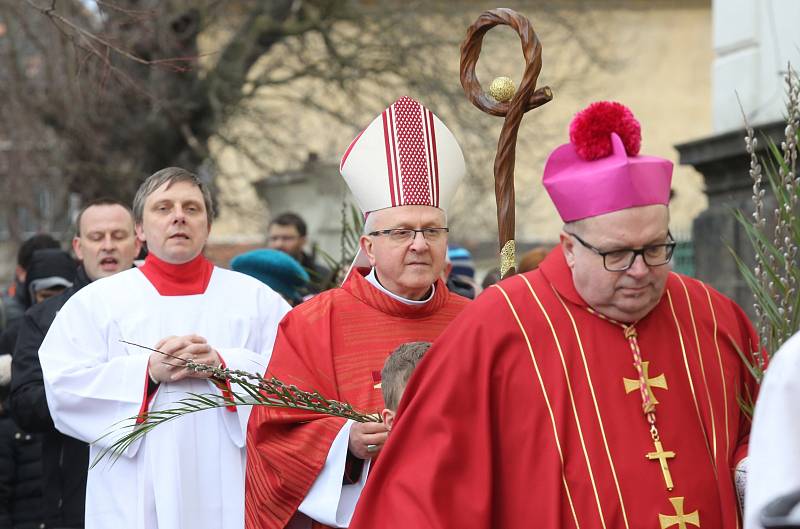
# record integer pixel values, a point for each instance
(253, 390)
(788, 208)
(759, 222)
(774, 278)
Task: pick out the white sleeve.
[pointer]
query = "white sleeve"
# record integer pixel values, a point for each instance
(773, 467)
(235, 419)
(272, 309)
(91, 381)
(329, 501)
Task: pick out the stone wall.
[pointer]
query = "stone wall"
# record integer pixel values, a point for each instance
(724, 164)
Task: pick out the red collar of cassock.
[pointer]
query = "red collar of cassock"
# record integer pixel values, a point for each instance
(359, 287)
(185, 279)
(558, 273)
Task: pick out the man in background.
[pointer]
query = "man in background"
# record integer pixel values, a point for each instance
(287, 233)
(16, 301)
(105, 243)
(459, 273)
(51, 270)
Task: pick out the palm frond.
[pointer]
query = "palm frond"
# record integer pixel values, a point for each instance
(253, 390)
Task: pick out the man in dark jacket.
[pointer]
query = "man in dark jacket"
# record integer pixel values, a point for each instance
(50, 271)
(105, 243)
(287, 233)
(16, 301)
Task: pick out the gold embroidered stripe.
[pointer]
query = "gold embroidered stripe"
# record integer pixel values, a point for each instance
(691, 382)
(702, 369)
(721, 371)
(572, 403)
(594, 400)
(546, 401)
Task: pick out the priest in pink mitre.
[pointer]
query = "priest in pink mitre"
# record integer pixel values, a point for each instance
(598, 391)
(187, 473)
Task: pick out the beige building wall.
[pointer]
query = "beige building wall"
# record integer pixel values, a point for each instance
(665, 78)
(660, 65)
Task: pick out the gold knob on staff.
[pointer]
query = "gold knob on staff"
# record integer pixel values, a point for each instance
(502, 89)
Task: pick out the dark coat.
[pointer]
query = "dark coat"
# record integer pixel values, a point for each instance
(12, 307)
(8, 338)
(20, 477)
(319, 274)
(64, 460)
(48, 263)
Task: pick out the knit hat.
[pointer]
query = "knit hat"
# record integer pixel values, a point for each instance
(461, 260)
(49, 268)
(276, 269)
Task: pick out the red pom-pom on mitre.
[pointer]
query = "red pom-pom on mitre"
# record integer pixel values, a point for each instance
(590, 130)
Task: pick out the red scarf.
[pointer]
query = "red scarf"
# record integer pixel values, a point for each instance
(185, 279)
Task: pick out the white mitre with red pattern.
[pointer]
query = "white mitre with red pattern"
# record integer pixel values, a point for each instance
(406, 156)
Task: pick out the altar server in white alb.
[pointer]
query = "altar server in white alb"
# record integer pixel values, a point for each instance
(773, 468)
(188, 473)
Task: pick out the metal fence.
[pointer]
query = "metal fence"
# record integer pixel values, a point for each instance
(683, 258)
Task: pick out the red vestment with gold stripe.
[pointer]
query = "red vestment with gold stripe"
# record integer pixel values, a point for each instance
(520, 415)
(333, 343)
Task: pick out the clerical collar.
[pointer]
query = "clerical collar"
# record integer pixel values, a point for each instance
(185, 279)
(372, 279)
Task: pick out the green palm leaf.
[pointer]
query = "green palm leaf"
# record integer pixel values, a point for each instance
(251, 390)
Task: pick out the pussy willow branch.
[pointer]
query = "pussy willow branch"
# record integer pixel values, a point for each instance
(759, 222)
(255, 391)
(789, 184)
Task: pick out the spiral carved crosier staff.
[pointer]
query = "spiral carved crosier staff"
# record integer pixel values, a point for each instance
(505, 103)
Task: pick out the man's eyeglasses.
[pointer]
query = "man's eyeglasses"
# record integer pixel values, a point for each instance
(404, 235)
(621, 260)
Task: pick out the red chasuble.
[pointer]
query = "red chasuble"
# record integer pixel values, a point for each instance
(521, 415)
(332, 343)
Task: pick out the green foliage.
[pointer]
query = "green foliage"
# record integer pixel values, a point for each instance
(775, 276)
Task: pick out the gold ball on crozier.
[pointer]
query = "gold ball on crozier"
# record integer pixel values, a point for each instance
(502, 89)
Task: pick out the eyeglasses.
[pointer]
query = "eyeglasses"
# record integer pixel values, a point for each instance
(621, 260)
(404, 235)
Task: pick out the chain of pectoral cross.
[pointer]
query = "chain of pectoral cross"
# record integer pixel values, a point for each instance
(649, 408)
(648, 399)
(680, 519)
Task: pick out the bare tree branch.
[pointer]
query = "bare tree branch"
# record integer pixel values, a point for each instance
(111, 94)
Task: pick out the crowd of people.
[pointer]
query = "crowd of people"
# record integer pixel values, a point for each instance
(594, 388)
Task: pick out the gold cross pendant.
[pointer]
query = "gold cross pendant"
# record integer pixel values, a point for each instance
(656, 382)
(680, 519)
(662, 457)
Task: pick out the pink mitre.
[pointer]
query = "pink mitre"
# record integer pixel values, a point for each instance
(600, 170)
